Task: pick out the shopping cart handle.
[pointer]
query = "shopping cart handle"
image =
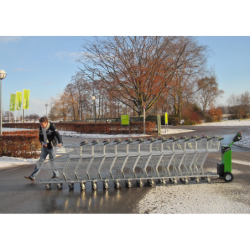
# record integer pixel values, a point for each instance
(83, 143)
(221, 138)
(95, 142)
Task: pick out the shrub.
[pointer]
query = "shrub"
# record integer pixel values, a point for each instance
(97, 128)
(172, 119)
(215, 113)
(208, 118)
(23, 144)
(189, 122)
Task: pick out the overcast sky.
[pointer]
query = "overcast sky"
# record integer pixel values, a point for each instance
(45, 65)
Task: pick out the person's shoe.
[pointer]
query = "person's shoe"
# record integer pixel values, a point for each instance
(28, 178)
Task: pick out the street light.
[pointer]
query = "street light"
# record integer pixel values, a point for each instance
(2, 76)
(93, 99)
(46, 104)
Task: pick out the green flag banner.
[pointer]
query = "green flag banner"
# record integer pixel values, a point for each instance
(125, 119)
(26, 99)
(18, 100)
(12, 102)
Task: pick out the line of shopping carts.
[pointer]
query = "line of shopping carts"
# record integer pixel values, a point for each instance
(152, 160)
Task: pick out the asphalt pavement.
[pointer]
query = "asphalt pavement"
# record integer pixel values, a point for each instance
(18, 195)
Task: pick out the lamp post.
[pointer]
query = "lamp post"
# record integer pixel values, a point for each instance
(2, 76)
(46, 108)
(93, 98)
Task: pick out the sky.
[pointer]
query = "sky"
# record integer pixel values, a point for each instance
(45, 65)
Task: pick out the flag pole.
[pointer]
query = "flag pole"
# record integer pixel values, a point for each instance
(9, 109)
(15, 111)
(23, 108)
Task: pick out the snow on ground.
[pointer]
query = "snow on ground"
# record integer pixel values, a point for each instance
(244, 142)
(169, 130)
(79, 135)
(6, 161)
(201, 198)
(14, 129)
(227, 123)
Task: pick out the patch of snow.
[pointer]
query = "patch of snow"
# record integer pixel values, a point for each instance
(168, 131)
(194, 199)
(15, 129)
(227, 123)
(6, 161)
(244, 142)
(79, 135)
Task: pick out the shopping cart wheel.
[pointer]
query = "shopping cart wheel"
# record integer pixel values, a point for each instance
(162, 182)
(197, 180)
(174, 181)
(82, 186)
(186, 181)
(140, 183)
(59, 186)
(105, 185)
(228, 177)
(182, 180)
(170, 180)
(128, 184)
(48, 186)
(151, 183)
(94, 185)
(208, 180)
(117, 184)
(71, 186)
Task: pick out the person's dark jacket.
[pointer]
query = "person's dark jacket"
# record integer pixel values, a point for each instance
(53, 136)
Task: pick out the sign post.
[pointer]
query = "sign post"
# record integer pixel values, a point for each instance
(13, 103)
(144, 118)
(166, 121)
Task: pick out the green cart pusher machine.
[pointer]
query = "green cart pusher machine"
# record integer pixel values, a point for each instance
(138, 161)
(224, 169)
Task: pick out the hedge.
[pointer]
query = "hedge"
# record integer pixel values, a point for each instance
(23, 144)
(172, 119)
(93, 128)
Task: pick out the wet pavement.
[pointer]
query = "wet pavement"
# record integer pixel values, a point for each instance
(18, 195)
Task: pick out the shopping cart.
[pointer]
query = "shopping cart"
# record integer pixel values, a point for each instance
(139, 160)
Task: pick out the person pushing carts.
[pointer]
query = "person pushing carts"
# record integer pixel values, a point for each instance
(48, 136)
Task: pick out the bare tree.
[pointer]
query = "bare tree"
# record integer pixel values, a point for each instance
(239, 104)
(8, 116)
(208, 91)
(137, 70)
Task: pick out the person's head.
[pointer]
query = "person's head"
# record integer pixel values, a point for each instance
(43, 122)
